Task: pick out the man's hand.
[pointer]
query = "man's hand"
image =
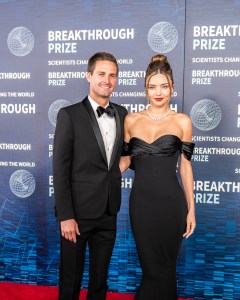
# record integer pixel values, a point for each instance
(69, 230)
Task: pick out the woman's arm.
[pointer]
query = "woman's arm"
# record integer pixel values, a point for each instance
(187, 178)
(187, 181)
(125, 160)
(124, 163)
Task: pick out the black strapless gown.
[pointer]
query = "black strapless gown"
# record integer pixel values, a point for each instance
(158, 212)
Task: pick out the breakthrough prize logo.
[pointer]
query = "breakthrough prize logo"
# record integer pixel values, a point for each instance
(162, 37)
(20, 41)
(22, 183)
(54, 109)
(206, 114)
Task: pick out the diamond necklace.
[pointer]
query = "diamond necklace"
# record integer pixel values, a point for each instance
(159, 118)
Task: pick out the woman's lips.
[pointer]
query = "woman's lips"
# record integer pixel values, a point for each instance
(158, 99)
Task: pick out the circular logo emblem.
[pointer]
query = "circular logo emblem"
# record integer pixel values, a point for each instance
(206, 114)
(22, 183)
(162, 37)
(20, 41)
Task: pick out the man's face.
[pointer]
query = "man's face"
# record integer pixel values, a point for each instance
(103, 80)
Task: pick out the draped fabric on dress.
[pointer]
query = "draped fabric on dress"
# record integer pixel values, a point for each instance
(158, 211)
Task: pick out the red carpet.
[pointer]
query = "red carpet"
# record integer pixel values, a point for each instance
(11, 291)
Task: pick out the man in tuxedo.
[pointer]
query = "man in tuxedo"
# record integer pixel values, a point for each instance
(87, 180)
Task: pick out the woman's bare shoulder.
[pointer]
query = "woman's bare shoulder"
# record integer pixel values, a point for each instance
(185, 123)
(183, 118)
(133, 117)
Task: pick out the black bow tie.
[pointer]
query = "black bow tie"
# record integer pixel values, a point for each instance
(109, 111)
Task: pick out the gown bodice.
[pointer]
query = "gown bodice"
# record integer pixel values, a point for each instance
(165, 145)
(153, 155)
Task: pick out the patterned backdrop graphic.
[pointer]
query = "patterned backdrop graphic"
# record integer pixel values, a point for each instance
(44, 48)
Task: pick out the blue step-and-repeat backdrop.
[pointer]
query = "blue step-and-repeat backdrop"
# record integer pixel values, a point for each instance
(44, 48)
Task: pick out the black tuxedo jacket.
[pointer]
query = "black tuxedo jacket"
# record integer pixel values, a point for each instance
(83, 183)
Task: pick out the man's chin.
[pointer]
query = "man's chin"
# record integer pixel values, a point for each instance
(106, 95)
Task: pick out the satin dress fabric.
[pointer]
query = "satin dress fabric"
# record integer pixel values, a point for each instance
(158, 211)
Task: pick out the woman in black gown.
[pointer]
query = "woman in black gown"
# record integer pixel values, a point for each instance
(161, 212)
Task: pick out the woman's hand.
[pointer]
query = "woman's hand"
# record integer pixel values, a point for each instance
(191, 224)
(124, 163)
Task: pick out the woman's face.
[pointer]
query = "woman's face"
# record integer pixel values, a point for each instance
(159, 90)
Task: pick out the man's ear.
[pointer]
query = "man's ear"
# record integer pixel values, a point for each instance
(88, 76)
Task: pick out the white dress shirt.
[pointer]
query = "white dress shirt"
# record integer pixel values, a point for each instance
(107, 127)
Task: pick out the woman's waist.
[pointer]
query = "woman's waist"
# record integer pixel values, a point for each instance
(155, 160)
(155, 175)
(155, 169)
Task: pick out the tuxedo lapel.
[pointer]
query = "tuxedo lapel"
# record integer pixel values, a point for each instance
(96, 128)
(117, 139)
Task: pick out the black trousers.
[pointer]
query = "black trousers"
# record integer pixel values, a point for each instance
(100, 235)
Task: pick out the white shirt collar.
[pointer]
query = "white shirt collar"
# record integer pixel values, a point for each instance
(95, 104)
